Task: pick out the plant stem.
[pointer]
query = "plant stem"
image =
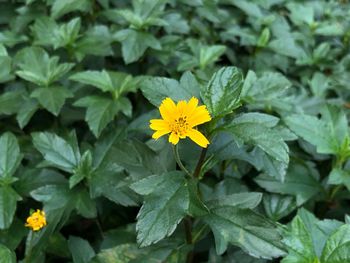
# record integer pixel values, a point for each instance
(188, 231)
(200, 162)
(178, 160)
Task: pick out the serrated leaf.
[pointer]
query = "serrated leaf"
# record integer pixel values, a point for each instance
(251, 129)
(210, 54)
(37, 67)
(10, 156)
(301, 181)
(83, 170)
(163, 210)
(48, 32)
(8, 205)
(299, 243)
(56, 150)
(222, 93)
(102, 110)
(62, 7)
(114, 186)
(11, 101)
(115, 82)
(26, 111)
(243, 227)
(52, 98)
(156, 89)
(315, 131)
(337, 246)
(6, 255)
(84, 205)
(278, 206)
(135, 43)
(5, 68)
(81, 250)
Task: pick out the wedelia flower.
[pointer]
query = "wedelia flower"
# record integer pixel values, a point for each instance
(180, 121)
(36, 220)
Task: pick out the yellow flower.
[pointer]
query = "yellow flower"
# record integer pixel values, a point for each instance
(36, 220)
(179, 120)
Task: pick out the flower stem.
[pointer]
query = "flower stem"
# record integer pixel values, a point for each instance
(178, 160)
(200, 162)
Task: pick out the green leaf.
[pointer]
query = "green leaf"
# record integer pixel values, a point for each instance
(162, 210)
(301, 181)
(5, 66)
(60, 8)
(83, 170)
(135, 43)
(270, 90)
(315, 131)
(135, 157)
(84, 205)
(301, 13)
(255, 129)
(81, 250)
(10, 156)
(114, 186)
(8, 204)
(48, 32)
(210, 54)
(26, 111)
(318, 230)
(121, 253)
(329, 28)
(307, 236)
(101, 111)
(338, 176)
(243, 227)
(14, 235)
(56, 150)
(250, 8)
(11, 101)
(37, 67)
(96, 41)
(278, 206)
(156, 89)
(222, 94)
(241, 200)
(114, 82)
(337, 246)
(6, 255)
(299, 244)
(287, 46)
(52, 98)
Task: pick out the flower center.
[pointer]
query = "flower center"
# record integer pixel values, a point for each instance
(180, 126)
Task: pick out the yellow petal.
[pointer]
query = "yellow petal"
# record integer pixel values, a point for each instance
(158, 124)
(159, 133)
(173, 138)
(167, 109)
(191, 106)
(181, 107)
(198, 138)
(199, 116)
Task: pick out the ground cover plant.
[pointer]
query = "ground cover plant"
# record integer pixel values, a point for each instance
(174, 131)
